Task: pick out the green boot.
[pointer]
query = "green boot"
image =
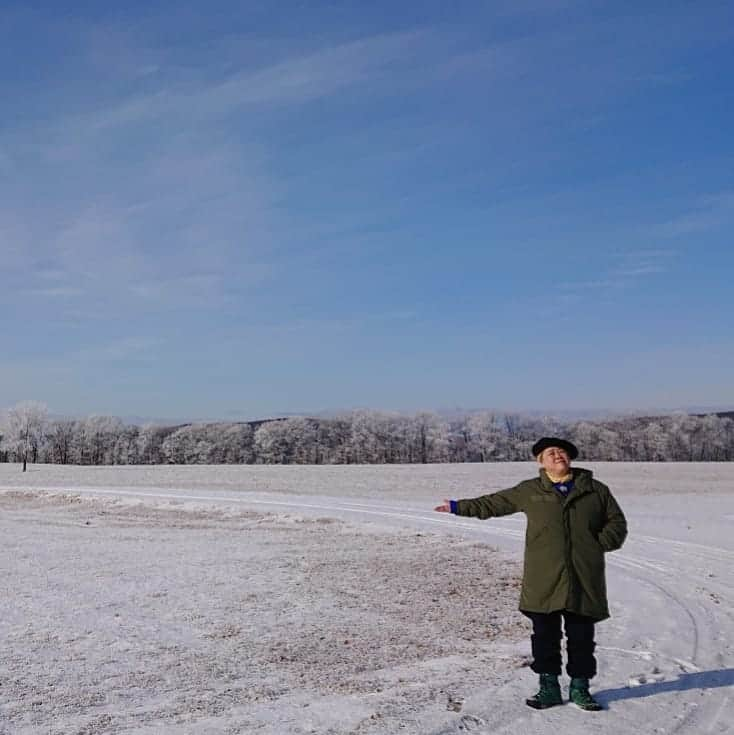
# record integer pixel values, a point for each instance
(549, 694)
(578, 693)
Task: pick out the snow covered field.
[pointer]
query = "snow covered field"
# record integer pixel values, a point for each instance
(333, 600)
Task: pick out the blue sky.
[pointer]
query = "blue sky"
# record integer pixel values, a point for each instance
(243, 209)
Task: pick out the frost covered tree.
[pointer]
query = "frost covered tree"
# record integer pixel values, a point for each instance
(150, 441)
(272, 443)
(598, 442)
(333, 439)
(236, 444)
(193, 444)
(212, 443)
(98, 438)
(125, 449)
(304, 440)
(493, 438)
(656, 441)
(367, 440)
(61, 440)
(427, 438)
(484, 437)
(369, 437)
(24, 430)
(289, 441)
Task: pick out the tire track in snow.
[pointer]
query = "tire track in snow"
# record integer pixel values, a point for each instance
(644, 569)
(637, 566)
(385, 511)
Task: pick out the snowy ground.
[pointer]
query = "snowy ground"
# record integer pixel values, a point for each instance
(286, 600)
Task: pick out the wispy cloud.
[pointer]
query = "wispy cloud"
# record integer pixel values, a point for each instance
(292, 81)
(626, 269)
(180, 227)
(76, 362)
(708, 213)
(176, 189)
(643, 262)
(186, 205)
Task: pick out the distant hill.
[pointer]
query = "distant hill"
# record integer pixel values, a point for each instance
(720, 414)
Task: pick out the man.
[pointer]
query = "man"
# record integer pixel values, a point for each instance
(572, 521)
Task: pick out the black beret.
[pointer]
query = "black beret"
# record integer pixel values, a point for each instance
(553, 441)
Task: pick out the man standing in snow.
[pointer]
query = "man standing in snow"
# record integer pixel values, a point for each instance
(572, 521)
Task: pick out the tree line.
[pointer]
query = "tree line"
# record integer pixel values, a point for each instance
(358, 437)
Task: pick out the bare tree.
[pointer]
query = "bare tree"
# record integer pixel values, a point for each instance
(61, 437)
(427, 438)
(25, 429)
(370, 437)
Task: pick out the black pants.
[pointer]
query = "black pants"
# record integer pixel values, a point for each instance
(546, 643)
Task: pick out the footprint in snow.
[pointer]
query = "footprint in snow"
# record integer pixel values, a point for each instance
(467, 723)
(652, 678)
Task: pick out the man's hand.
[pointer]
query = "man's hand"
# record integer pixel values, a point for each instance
(445, 508)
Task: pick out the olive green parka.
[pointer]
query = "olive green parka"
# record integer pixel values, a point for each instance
(565, 541)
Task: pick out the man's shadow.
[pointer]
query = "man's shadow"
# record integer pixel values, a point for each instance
(699, 680)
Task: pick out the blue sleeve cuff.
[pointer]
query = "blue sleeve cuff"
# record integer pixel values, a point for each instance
(454, 506)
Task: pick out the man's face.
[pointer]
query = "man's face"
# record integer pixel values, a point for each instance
(555, 460)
